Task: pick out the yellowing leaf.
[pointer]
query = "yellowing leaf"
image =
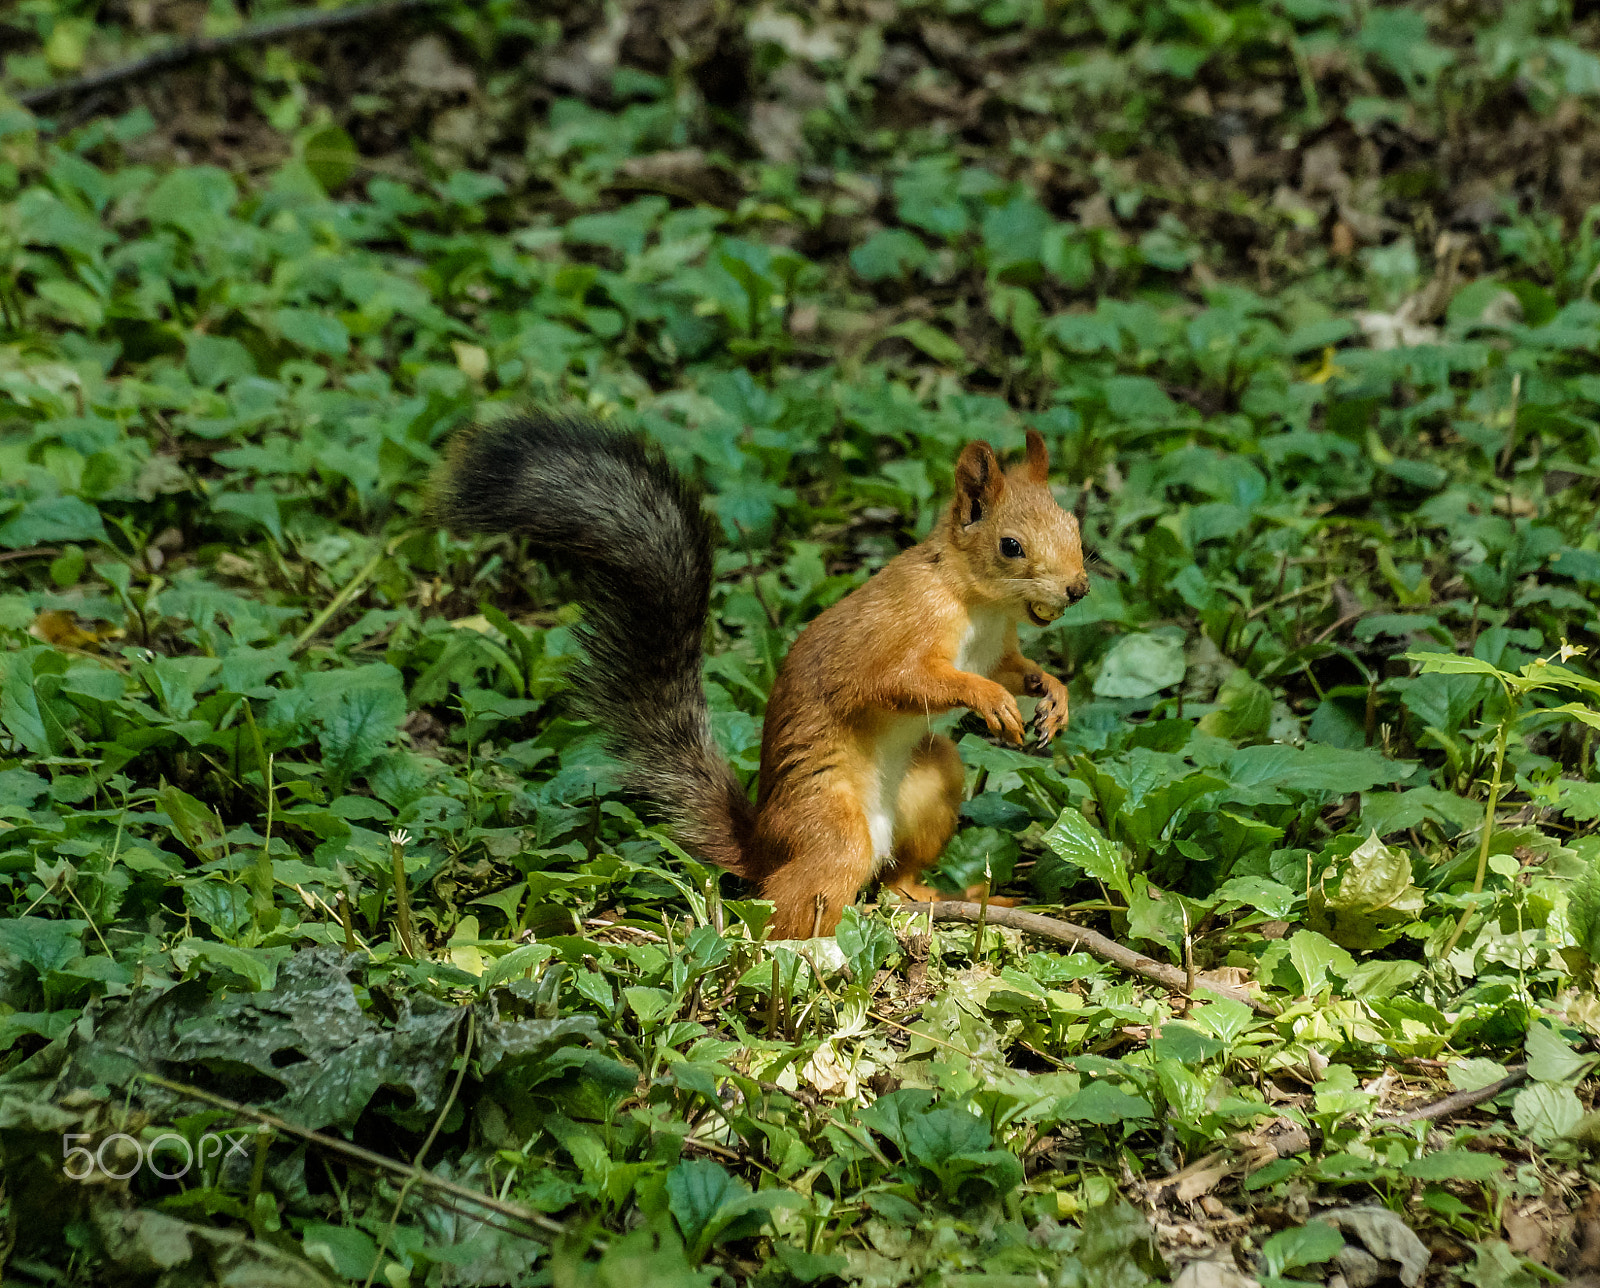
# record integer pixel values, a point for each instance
(464, 953)
(63, 630)
(472, 359)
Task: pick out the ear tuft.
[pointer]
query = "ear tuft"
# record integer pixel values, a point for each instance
(979, 482)
(1038, 458)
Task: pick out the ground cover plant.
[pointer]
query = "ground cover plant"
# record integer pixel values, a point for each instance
(306, 876)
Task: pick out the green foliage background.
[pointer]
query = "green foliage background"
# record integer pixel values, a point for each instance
(1303, 295)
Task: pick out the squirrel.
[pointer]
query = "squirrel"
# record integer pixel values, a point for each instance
(853, 781)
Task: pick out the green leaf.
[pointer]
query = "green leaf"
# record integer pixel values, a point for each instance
(1455, 1165)
(194, 198)
(866, 941)
(1575, 711)
(217, 359)
(257, 965)
(1316, 957)
(330, 155)
(1262, 893)
(1547, 1113)
(711, 1206)
(939, 346)
(54, 518)
(1184, 1044)
(808, 1267)
(194, 823)
(1551, 1058)
(44, 944)
(1301, 1245)
(1141, 665)
(1375, 893)
(32, 718)
(314, 331)
(1078, 841)
(889, 253)
(1104, 1103)
(364, 719)
(1275, 769)
(1244, 709)
(1455, 664)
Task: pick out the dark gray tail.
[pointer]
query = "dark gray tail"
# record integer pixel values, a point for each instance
(608, 508)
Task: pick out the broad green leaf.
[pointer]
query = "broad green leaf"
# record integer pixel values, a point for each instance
(889, 253)
(312, 330)
(1104, 1103)
(1375, 891)
(1140, 666)
(34, 719)
(194, 822)
(53, 518)
(1078, 841)
(1575, 711)
(1551, 1058)
(1547, 1113)
(525, 957)
(1314, 768)
(712, 1206)
(42, 943)
(1455, 1165)
(1454, 664)
(1262, 893)
(257, 965)
(1244, 708)
(1316, 957)
(1301, 1245)
(1224, 1018)
(364, 719)
(937, 344)
(866, 941)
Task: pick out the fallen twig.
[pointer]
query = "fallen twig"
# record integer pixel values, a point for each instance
(197, 47)
(1456, 1101)
(1245, 1152)
(1091, 942)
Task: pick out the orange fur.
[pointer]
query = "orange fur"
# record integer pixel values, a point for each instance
(854, 783)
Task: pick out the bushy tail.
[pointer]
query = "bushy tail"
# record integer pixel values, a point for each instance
(608, 507)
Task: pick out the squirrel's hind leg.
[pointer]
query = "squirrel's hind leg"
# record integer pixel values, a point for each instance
(928, 808)
(825, 862)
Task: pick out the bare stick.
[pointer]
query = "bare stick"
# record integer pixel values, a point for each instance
(1456, 1101)
(197, 47)
(1091, 942)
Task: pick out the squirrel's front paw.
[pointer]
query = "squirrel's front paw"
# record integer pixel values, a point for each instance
(1000, 712)
(1050, 716)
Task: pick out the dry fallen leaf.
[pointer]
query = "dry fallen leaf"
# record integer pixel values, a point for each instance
(64, 630)
(1219, 1271)
(1386, 1237)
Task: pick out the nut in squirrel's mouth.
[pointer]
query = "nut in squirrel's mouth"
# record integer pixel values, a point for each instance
(1042, 614)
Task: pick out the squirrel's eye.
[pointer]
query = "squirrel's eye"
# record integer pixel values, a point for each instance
(1011, 548)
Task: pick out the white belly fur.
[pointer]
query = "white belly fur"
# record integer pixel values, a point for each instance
(983, 642)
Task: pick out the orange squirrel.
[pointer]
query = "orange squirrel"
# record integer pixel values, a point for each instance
(854, 783)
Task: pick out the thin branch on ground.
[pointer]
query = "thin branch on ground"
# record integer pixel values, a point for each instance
(198, 47)
(1091, 942)
(1457, 1101)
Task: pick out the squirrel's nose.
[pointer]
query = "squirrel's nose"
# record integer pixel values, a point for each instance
(1078, 589)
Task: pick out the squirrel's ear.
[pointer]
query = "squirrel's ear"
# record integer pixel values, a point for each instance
(979, 482)
(1038, 457)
